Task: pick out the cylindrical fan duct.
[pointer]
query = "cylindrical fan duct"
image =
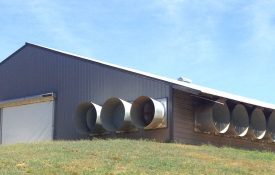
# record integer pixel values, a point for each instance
(87, 118)
(93, 119)
(115, 115)
(212, 117)
(271, 127)
(147, 113)
(239, 121)
(257, 127)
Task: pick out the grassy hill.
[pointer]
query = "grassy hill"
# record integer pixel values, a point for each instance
(130, 157)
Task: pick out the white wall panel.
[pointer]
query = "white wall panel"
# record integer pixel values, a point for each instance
(27, 123)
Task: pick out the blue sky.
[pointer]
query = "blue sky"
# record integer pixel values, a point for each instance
(225, 45)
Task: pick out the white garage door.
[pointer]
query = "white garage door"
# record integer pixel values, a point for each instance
(27, 123)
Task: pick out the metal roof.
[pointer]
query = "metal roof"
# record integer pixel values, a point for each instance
(175, 83)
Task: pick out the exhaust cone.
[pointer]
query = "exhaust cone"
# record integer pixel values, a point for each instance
(93, 119)
(257, 124)
(239, 121)
(147, 113)
(213, 118)
(115, 115)
(271, 127)
(87, 118)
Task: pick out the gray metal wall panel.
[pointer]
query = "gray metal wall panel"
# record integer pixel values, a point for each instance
(35, 70)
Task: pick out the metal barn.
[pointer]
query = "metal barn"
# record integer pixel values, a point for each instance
(46, 94)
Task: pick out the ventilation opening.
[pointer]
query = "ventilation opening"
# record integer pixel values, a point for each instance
(240, 120)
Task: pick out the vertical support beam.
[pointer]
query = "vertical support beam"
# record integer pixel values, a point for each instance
(170, 115)
(1, 119)
(54, 119)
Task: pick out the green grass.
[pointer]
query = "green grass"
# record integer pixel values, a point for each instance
(130, 157)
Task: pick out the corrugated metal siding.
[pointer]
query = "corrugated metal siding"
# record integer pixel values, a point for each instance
(183, 116)
(35, 70)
